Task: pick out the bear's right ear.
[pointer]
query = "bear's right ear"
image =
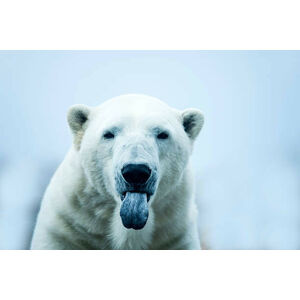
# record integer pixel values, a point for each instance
(192, 121)
(77, 117)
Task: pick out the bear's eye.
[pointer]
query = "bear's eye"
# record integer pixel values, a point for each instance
(108, 135)
(162, 135)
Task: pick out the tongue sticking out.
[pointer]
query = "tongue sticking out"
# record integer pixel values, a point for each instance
(134, 210)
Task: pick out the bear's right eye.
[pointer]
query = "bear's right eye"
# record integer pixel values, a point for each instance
(163, 136)
(108, 135)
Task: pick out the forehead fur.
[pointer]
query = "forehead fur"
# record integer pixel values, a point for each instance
(135, 108)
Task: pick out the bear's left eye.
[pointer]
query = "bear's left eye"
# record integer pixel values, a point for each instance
(162, 135)
(108, 135)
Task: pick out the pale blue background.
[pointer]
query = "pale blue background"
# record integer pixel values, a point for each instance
(247, 157)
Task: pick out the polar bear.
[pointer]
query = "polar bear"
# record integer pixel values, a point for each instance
(126, 182)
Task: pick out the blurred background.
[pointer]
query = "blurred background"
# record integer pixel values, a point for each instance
(246, 159)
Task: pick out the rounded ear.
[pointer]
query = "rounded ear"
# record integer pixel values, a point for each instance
(78, 115)
(192, 121)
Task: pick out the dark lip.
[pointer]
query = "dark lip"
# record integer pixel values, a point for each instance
(122, 196)
(122, 187)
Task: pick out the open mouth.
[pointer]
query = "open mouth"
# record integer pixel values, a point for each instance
(123, 195)
(135, 184)
(134, 209)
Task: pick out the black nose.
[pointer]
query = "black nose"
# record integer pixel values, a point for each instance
(136, 173)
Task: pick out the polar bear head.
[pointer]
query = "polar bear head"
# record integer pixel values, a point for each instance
(134, 149)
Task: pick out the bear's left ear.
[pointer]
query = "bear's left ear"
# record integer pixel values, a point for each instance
(192, 121)
(78, 115)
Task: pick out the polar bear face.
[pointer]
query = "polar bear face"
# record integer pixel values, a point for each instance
(134, 149)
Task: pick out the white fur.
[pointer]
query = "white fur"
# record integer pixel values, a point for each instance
(81, 207)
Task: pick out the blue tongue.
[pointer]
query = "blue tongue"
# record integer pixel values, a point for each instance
(134, 210)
